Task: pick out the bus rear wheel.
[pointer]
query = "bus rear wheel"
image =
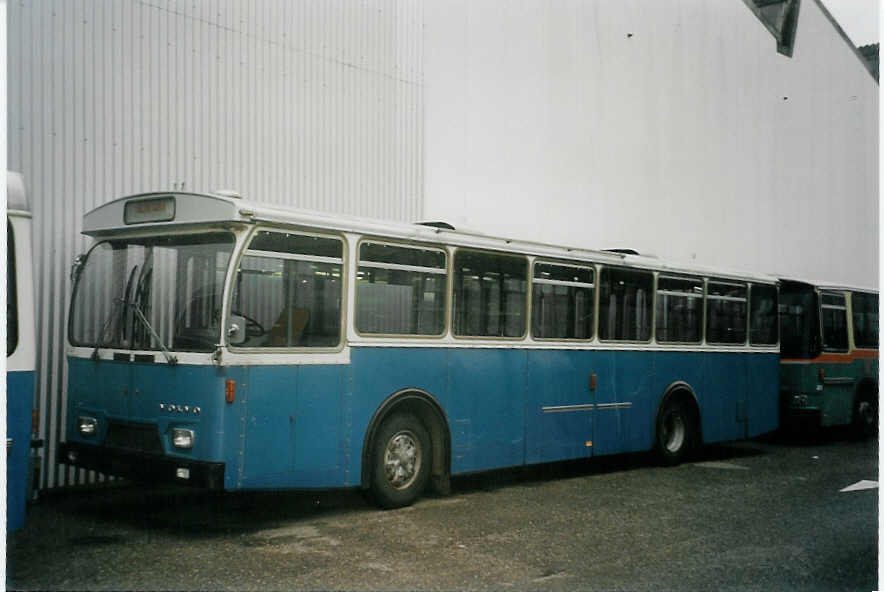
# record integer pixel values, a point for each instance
(865, 414)
(675, 431)
(400, 461)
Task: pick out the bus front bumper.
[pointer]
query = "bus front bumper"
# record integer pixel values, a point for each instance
(142, 465)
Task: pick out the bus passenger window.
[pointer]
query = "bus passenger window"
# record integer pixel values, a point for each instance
(400, 290)
(763, 320)
(679, 310)
(865, 320)
(11, 296)
(625, 301)
(288, 290)
(489, 294)
(833, 312)
(726, 313)
(562, 301)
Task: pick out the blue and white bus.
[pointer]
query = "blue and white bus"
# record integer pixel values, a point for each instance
(20, 349)
(236, 346)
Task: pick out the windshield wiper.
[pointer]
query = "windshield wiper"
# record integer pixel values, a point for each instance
(172, 360)
(107, 322)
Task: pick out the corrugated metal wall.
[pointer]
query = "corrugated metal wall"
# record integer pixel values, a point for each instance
(312, 103)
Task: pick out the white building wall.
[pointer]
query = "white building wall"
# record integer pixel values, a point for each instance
(314, 103)
(674, 128)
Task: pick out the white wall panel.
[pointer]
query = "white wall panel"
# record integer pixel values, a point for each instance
(312, 103)
(673, 127)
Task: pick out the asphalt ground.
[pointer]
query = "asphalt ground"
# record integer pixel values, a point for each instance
(766, 514)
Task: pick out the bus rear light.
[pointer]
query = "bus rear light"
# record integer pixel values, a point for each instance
(230, 391)
(86, 425)
(182, 473)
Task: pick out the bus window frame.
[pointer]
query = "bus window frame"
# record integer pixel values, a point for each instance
(702, 297)
(652, 320)
(776, 343)
(853, 318)
(726, 282)
(446, 271)
(821, 292)
(594, 301)
(11, 290)
(527, 309)
(231, 289)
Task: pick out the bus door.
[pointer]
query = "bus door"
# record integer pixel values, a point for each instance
(837, 375)
(562, 403)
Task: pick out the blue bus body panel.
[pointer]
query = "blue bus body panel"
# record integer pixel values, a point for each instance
(19, 405)
(304, 426)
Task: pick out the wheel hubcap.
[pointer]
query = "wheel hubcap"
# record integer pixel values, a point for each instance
(866, 412)
(673, 431)
(402, 459)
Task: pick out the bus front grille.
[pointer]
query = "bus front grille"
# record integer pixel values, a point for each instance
(134, 436)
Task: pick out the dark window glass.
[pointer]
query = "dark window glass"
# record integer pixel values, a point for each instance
(400, 290)
(290, 302)
(763, 322)
(865, 319)
(489, 294)
(679, 316)
(625, 297)
(726, 313)
(11, 294)
(799, 322)
(297, 244)
(562, 301)
(833, 313)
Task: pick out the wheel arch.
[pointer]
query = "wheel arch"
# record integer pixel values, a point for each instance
(680, 388)
(425, 406)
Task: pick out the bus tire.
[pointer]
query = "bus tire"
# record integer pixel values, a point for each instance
(401, 458)
(865, 413)
(675, 431)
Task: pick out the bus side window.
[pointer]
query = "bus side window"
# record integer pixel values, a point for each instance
(625, 300)
(763, 320)
(562, 301)
(490, 294)
(679, 311)
(865, 320)
(288, 289)
(726, 312)
(833, 311)
(11, 295)
(400, 290)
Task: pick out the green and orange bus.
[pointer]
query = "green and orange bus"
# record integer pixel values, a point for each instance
(828, 356)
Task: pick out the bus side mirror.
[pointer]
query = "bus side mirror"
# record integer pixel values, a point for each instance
(236, 330)
(77, 266)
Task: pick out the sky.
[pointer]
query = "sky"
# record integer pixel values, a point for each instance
(859, 18)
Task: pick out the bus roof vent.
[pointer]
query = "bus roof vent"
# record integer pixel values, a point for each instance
(443, 225)
(228, 193)
(623, 251)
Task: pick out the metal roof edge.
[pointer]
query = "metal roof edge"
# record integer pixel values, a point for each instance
(844, 36)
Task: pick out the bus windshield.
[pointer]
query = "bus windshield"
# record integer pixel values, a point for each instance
(799, 321)
(152, 293)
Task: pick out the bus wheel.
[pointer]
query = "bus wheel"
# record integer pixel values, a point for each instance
(865, 414)
(675, 431)
(400, 461)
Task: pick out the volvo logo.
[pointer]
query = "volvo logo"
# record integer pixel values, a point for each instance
(173, 408)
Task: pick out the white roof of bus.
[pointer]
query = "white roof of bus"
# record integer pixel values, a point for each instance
(16, 198)
(99, 222)
(825, 285)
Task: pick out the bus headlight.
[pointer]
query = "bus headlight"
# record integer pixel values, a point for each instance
(86, 425)
(182, 438)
